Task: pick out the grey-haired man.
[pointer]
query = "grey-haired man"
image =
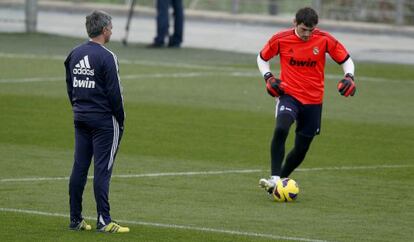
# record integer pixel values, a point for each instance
(95, 93)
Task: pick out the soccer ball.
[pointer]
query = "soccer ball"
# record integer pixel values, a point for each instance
(286, 190)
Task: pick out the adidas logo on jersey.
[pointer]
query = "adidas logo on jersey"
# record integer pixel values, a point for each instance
(83, 83)
(83, 67)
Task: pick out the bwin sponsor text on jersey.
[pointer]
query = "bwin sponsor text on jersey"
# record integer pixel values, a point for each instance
(83, 83)
(305, 63)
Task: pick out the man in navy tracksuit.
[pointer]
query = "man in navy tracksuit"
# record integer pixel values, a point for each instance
(174, 40)
(94, 90)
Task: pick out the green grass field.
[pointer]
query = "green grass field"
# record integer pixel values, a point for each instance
(196, 142)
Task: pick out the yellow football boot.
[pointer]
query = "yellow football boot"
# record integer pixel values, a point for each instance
(113, 227)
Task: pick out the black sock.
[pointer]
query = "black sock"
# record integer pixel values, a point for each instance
(297, 155)
(277, 147)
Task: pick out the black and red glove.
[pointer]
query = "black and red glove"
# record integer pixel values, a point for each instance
(273, 85)
(346, 86)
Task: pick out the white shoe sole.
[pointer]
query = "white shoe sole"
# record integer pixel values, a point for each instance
(267, 185)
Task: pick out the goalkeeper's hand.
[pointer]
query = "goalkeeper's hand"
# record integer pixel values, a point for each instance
(346, 86)
(273, 85)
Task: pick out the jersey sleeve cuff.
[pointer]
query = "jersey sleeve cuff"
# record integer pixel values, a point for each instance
(261, 57)
(344, 60)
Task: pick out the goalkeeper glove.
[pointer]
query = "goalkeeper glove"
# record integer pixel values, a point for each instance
(346, 86)
(273, 85)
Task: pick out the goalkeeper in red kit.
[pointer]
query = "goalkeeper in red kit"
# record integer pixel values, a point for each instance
(299, 88)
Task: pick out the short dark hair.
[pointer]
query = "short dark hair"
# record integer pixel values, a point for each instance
(307, 16)
(96, 22)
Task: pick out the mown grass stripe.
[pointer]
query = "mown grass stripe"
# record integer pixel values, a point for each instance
(205, 173)
(171, 226)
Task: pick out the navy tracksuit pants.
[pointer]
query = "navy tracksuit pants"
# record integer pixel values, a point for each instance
(98, 138)
(163, 22)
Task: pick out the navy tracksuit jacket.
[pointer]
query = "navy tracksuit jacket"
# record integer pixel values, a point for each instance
(95, 92)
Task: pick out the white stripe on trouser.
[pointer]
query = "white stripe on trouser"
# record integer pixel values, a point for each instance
(277, 106)
(101, 220)
(114, 142)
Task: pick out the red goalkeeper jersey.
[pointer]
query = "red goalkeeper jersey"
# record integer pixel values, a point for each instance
(302, 63)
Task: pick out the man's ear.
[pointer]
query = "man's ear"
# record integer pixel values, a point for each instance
(295, 23)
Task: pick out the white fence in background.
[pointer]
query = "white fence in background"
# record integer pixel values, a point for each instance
(22, 14)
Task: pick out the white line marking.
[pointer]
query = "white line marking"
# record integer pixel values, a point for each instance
(355, 168)
(202, 67)
(32, 79)
(371, 79)
(172, 226)
(123, 61)
(134, 77)
(203, 173)
(193, 74)
(190, 173)
(32, 56)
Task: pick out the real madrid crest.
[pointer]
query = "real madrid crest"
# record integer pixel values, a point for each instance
(315, 50)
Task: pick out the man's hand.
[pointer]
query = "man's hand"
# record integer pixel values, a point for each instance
(346, 86)
(273, 85)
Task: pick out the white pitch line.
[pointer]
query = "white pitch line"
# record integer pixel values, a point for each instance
(122, 61)
(190, 173)
(32, 79)
(192, 66)
(190, 75)
(204, 173)
(171, 226)
(125, 77)
(355, 168)
(127, 176)
(137, 76)
(371, 79)
(32, 56)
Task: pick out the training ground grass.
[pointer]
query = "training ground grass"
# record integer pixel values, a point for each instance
(201, 111)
